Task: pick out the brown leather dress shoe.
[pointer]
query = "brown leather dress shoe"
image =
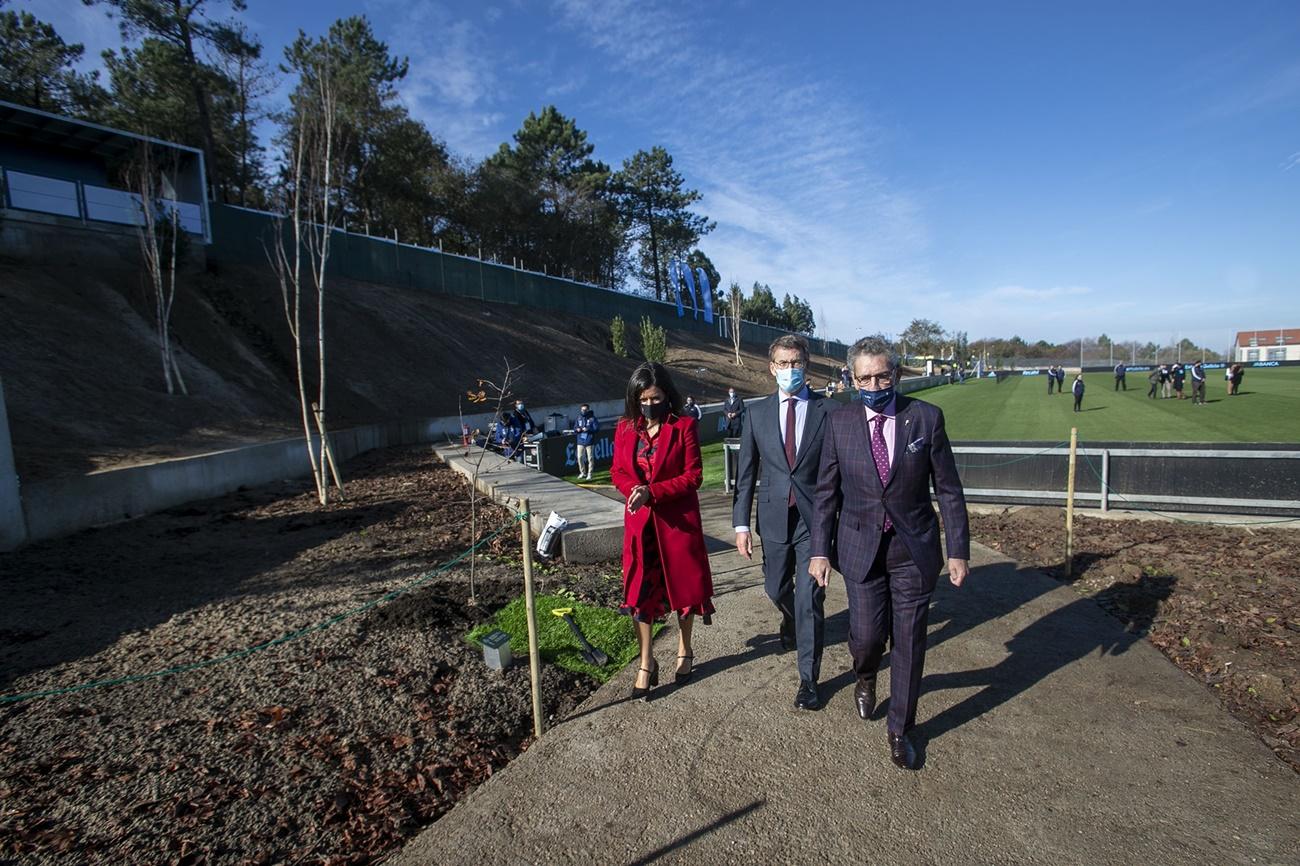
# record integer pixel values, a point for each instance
(864, 697)
(901, 751)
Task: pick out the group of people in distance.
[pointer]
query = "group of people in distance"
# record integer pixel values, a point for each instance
(843, 486)
(1169, 381)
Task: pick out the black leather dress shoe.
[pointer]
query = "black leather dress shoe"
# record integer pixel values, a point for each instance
(901, 751)
(864, 696)
(807, 698)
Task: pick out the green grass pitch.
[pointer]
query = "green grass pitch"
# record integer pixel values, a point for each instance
(1019, 408)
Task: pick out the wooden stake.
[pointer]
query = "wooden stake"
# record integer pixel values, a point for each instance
(1069, 505)
(534, 656)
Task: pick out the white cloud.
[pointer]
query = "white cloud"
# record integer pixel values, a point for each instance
(786, 161)
(452, 86)
(1292, 161)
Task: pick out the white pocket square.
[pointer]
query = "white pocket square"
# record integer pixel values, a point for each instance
(915, 445)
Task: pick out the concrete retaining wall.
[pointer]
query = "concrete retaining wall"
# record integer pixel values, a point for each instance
(60, 506)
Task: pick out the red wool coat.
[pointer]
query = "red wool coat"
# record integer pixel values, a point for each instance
(672, 515)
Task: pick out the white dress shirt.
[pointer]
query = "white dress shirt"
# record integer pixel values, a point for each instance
(800, 399)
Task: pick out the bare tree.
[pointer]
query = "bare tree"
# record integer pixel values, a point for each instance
(487, 390)
(159, 231)
(312, 213)
(734, 301)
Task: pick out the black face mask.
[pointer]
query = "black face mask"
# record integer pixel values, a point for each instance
(655, 411)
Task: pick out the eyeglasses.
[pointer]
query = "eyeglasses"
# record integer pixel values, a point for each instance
(883, 380)
(789, 365)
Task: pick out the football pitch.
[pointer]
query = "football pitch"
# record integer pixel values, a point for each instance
(1267, 409)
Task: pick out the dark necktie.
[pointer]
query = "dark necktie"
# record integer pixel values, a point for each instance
(789, 443)
(880, 453)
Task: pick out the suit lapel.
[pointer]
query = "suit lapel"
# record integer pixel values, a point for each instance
(812, 426)
(663, 442)
(902, 427)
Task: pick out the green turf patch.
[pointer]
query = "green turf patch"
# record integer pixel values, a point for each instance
(605, 629)
(1020, 409)
(710, 454)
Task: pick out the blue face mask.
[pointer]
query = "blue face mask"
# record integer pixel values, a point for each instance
(876, 400)
(790, 381)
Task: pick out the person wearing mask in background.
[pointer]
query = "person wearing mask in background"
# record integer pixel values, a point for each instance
(874, 521)
(586, 427)
(1238, 373)
(1198, 384)
(734, 411)
(692, 410)
(783, 442)
(1121, 376)
(657, 468)
(508, 437)
(1077, 389)
(1060, 379)
(1179, 374)
(1166, 382)
(845, 379)
(1155, 377)
(1051, 379)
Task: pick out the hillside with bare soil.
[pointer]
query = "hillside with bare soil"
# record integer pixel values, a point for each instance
(84, 387)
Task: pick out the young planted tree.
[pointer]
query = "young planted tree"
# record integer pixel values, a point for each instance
(499, 394)
(159, 232)
(736, 302)
(654, 341)
(309, 193)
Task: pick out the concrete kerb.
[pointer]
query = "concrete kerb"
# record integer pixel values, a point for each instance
(595, 530)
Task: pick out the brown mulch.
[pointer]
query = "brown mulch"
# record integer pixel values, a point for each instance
(1221, 602)
(331, 748)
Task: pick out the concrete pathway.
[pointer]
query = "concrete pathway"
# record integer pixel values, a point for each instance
(1049, 735)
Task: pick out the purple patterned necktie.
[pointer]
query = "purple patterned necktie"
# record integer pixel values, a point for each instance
(880, 453)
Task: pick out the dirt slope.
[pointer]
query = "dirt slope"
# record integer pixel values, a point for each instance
(83, 382)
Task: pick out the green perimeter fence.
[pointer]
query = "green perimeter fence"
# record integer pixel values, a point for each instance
(243, 236)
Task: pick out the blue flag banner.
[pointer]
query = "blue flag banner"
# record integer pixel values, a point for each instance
(708, 294)
(674, 277)
(690, 289)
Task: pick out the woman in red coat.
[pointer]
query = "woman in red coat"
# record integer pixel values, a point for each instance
(657, 468)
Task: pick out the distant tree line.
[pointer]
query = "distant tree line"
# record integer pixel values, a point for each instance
(542, 201)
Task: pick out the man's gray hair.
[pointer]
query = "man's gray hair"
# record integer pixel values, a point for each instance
(875, 346)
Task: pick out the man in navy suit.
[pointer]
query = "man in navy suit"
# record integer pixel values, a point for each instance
(783, 439)
(874, 521)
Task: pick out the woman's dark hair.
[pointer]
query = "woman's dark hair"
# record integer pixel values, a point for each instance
(648, 375)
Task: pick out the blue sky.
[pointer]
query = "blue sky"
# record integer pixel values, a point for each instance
(1043, 169)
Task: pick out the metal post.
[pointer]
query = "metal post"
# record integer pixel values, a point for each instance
(1069, 505)
(1105, 480)
(534, 656)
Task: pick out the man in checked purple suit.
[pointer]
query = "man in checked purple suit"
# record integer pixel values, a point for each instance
(874, 522)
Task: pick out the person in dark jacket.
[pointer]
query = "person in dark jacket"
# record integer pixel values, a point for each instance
(1198, 384)
(1077, 388)
(1051, 378)
(1155, 377)
(1060, 379)
(1178, 374)
(586, 427)
(1121, 376)
(734, 410)
(692, 410)
(509, 436)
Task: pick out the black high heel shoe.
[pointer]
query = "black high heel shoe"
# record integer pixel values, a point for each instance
(681, 677)
(640, 694)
